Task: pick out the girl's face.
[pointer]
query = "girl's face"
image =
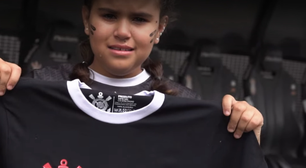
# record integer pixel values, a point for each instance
(122, 34)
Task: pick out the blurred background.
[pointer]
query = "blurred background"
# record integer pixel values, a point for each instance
(253, 50)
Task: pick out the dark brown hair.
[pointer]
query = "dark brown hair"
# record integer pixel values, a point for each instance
(155, 69)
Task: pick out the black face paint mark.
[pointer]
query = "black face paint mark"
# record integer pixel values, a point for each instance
(152, 34)
(93, 28)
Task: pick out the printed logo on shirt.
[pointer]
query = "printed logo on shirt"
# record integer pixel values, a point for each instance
(101, 103)
(63, 164)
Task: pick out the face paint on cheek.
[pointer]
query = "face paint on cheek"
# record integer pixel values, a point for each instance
(92, 29)
(152, 34)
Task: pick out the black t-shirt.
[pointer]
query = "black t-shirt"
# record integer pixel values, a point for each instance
(47, 124)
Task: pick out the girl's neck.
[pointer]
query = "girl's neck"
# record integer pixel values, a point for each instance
(120, 82)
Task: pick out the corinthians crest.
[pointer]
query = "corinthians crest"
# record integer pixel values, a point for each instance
(99, 102)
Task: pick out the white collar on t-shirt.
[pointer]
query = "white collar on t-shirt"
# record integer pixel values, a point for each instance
(74, 89)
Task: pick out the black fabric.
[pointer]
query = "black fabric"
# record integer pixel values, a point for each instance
(62, 72)
(274, 95)
(271, 163)
(122, 90)
(40, 124)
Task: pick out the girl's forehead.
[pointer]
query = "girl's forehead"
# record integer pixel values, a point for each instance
(128, 4)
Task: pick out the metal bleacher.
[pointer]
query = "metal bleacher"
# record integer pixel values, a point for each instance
(10, 47)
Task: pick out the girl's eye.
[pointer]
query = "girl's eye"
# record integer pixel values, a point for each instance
(139, 19)
(109, 16)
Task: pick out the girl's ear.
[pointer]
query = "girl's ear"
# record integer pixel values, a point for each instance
(161, 28)
(85, 17)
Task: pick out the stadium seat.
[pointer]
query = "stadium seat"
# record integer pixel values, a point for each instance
(204, 73)
(303, 145)
(4, 56)
(59, 46)
(302, 151)
(274, 93)
(10, 48)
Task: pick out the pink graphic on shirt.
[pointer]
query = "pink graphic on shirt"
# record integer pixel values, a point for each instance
(63, 164)
(47, 165)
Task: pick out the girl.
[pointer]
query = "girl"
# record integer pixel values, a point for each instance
(121, 36)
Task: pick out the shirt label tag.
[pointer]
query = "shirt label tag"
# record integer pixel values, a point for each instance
(117, 103)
